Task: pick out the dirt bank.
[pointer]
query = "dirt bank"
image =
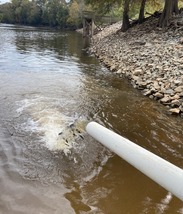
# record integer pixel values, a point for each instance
(150, 57)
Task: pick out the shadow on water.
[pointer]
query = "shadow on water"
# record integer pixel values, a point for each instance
(48, 82)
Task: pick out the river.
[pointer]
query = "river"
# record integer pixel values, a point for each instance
(50, 88)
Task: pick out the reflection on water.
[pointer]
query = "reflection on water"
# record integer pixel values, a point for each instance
(50, 89)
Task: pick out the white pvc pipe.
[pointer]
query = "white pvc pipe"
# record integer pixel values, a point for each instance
(161, 171)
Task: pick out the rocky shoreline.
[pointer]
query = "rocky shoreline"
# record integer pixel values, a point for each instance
(150, 57)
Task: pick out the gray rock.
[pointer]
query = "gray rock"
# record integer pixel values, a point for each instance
(119, 71)
(158, 95)
(137, 72)
(175, 102)
(176, 97)
(179, 89)
(147, 93)
(169, 91)
(156, 85)
(166, 99)
(112, 68)
(181, 40)
(174, 110)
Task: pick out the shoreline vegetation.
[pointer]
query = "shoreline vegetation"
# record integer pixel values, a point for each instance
(149, 56)
(58, 14)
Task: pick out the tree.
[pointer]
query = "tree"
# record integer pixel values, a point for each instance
(7, 13)
(40, 6)
(74, 15)
(170, 7)
(62, 16)
(24, 11)
(102, 6)
(1, 17)
(34, 17)
(175, 8)
(126, 22)
(141, 13)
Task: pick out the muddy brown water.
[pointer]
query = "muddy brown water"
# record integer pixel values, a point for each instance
(47, 165)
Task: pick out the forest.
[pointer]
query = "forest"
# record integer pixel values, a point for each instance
(68, 13)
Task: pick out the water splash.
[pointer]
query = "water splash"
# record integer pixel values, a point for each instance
(57, 130)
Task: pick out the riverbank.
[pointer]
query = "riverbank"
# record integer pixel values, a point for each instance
(150, 57)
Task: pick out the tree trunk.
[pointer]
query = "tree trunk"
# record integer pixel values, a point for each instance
(166, 14)
(142, 8)
(175, 8)
(126, 22)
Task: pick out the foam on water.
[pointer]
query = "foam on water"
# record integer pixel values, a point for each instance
(30, 125)
(56, 130)
(23, 105)
(58, 134)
